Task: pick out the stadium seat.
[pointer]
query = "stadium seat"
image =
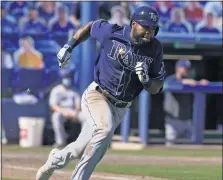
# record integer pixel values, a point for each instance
(47, 46)
(10, 36)
(50, 59)
(49, 49)
(10, 42)
(29, 79)
(51, 77)
(7, 75)
(36, 37)
(60, 38)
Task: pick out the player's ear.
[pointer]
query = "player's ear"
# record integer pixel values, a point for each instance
(133, 23)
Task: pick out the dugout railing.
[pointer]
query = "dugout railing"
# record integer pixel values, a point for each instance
(199, 106)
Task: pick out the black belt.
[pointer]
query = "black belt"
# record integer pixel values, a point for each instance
(117, 103)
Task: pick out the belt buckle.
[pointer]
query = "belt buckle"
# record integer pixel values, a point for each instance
(120, 104)
(104, 92)
(128, 105)
(116, 101)
(116, 104)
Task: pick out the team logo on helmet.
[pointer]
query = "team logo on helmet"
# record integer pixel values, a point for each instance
(153, 16)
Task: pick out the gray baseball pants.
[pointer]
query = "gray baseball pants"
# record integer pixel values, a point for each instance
(102, 118)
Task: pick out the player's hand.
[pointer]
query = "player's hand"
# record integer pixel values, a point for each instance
(65, 113)
(69, 113)
(64, 55)
(74, 114)
(203, 82)
(142, 71)
(190, 82)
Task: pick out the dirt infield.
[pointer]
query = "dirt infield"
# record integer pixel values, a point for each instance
(23, 165)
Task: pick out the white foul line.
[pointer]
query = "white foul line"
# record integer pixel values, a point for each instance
(63, 172)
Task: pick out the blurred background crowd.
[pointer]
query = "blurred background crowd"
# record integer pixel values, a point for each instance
(58, 20)
(33, 32)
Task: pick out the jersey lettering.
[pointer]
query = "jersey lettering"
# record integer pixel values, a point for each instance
(127, 58)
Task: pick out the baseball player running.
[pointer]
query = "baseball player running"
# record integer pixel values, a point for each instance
(131, 59)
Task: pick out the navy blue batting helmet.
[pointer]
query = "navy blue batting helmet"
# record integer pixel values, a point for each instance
(146, 16)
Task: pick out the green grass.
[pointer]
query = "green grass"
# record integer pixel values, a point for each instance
(172, 172)
(16, 148)
(172, 152)
(165, 171)
(154, 152)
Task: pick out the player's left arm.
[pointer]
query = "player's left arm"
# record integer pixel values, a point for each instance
(155, 86)
(156, 72)
(152, 78)
(151, 84)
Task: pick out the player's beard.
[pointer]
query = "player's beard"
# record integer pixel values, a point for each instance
(139, 38)
(142, 40)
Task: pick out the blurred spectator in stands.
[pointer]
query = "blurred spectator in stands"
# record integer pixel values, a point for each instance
(18, 9)
(8, 22)
(133, 5)
(33, 3)
(75, 13)
(180, 4)
(214, 6)
(178, 24)
(193, 11)
(164, 9)
(125, 5)
(178, 106)
(65, 104)
(5, 4)
(27, 56)
(208, 25)
(118, 16)
(47, 9)
(32, 23)
(60, 26)
(61, 22)
(105, 9)
(6, 58)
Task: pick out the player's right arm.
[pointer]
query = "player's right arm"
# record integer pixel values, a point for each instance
(96, 29)
(81, 35)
